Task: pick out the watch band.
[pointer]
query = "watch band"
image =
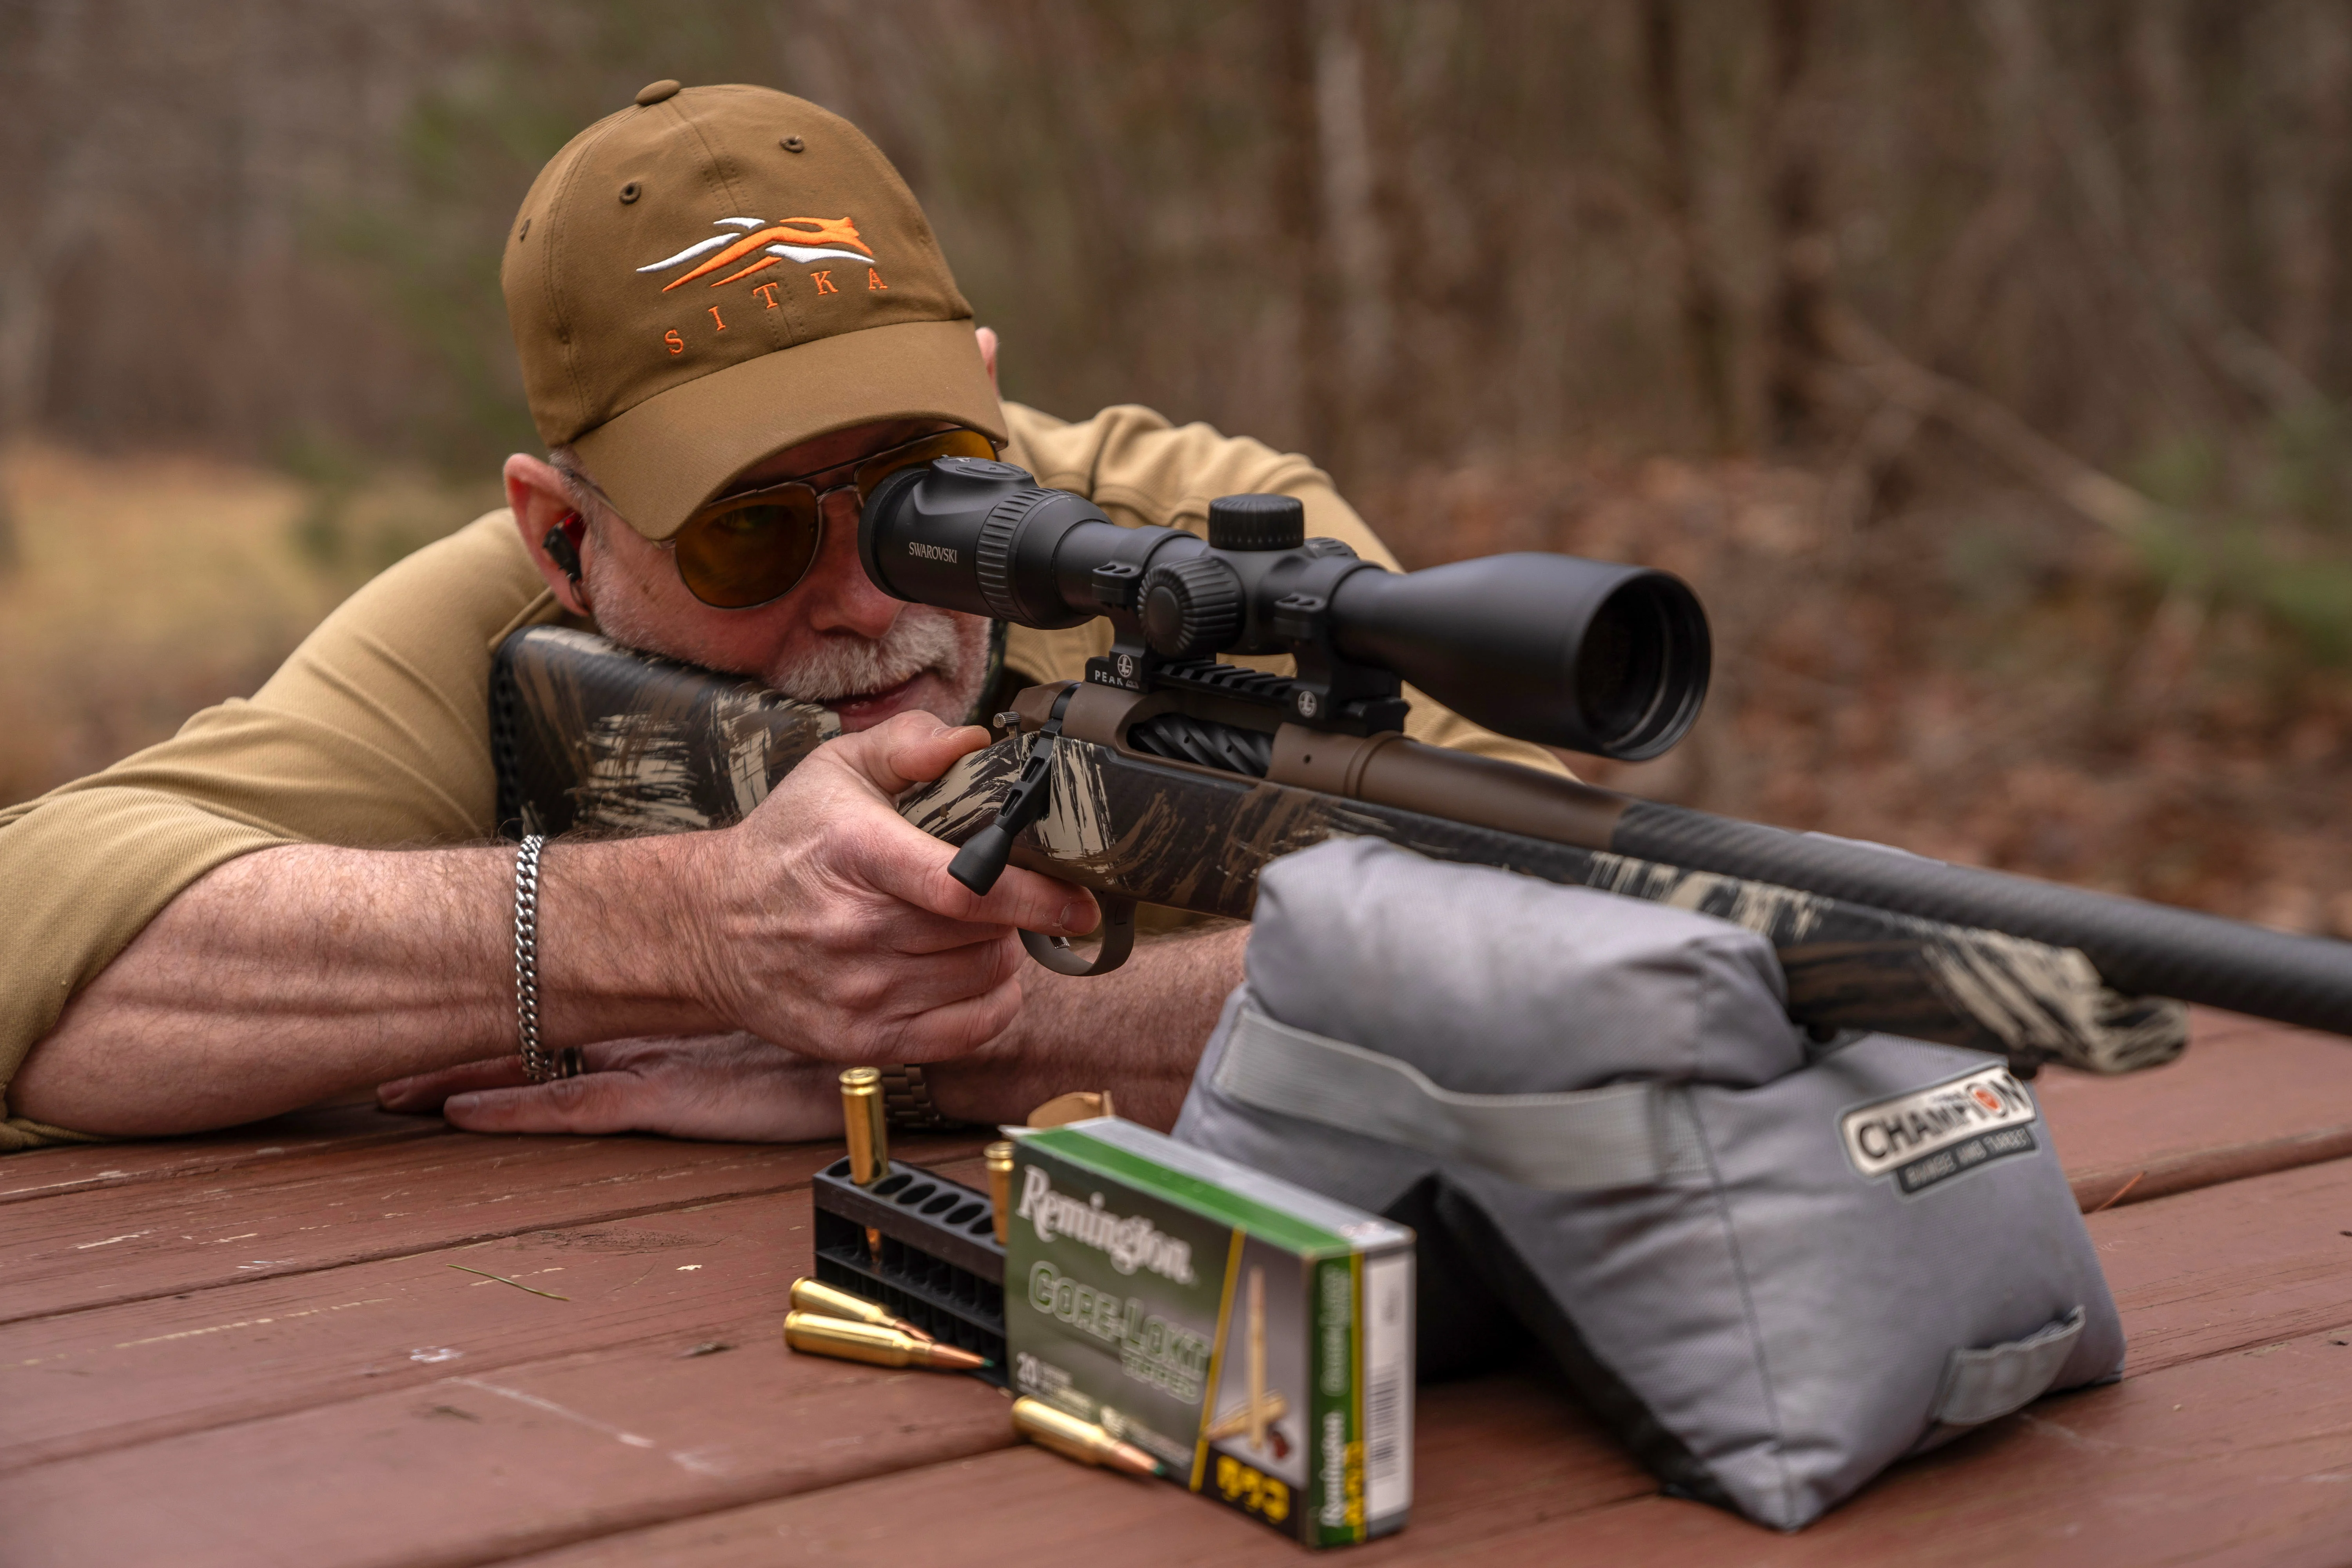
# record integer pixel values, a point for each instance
(907, 1102)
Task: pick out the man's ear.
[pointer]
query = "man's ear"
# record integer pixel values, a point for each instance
(987, 336)
(544, 516)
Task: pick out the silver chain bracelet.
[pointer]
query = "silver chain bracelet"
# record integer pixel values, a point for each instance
(536, 1063)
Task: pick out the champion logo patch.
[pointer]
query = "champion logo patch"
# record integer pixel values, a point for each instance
(1934, 1134)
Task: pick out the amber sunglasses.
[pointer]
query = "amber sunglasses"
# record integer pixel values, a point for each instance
(755, 546)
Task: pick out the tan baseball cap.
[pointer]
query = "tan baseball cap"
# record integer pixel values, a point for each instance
(717, 273)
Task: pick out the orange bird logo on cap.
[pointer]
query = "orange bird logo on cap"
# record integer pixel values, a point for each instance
(785, 239)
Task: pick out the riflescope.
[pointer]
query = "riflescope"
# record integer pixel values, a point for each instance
(1596, 658)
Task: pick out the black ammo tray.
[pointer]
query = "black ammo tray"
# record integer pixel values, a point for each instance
(939, 1265)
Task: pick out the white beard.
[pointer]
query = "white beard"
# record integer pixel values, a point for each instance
(923, 639)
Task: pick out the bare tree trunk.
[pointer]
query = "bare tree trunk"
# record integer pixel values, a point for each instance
(50, 175)
(1802, 255)
(1299, 207)
(1969, 269)
(1705, 318)
(2177, 166)
(1358, 252)
(2304, 63)
(2183, 321)
(23, 336)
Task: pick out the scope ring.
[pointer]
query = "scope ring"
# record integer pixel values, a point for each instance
(992, 551)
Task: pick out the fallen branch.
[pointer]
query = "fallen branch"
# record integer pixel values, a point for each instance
(1901, 381)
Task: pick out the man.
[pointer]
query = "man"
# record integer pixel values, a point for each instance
(295, 895)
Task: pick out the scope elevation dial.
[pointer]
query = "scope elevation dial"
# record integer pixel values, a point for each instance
(1256, 522)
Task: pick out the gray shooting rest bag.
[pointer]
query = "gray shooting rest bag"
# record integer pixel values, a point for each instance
(1773, 1269)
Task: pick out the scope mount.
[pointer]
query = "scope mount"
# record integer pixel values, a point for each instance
(1328, 692)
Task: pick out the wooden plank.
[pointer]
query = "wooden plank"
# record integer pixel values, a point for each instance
(52, 1173)
(713, 1273)
(92, 1248)
(2228, 1268)
(2247, 1098)
(639, 1435)
(2215, 1270)
(1493, 1451)
(2241, 1268)
(2239, 1458)
(475, 1468)
(2210, 1025)
(76, 1383)
(2173, 1264)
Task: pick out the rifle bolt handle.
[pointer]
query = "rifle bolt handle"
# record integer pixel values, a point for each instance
(982, 858)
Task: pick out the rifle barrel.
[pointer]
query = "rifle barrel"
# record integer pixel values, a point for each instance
(2138, 948)
(2151, 949)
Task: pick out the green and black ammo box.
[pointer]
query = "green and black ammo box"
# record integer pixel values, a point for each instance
(1254, 1337)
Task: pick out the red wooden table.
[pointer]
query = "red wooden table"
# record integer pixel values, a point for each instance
(283, 1345)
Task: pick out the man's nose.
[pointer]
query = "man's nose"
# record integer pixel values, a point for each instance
(838, 595)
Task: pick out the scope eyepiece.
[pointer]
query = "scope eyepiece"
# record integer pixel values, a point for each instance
(968, 534)
(1585, 655)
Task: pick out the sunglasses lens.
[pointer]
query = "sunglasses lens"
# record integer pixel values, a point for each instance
(946, 444)
(748, 555)
(733, 557)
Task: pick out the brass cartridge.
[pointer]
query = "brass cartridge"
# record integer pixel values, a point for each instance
(815, 1296)
(998, 1156)
(1233, 1422)
(1259, 1413)
(863, 1124)
(1084, 1441)
(814, 1333)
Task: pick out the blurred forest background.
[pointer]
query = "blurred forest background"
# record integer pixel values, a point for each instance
(1984, 364)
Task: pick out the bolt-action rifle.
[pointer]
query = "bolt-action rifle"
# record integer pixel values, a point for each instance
(1167, 778)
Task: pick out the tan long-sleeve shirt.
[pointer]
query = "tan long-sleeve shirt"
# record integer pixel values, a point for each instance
(375, 731)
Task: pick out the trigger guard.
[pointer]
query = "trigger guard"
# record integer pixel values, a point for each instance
(1117, 940)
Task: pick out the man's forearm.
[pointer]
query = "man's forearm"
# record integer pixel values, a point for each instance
(823, 923)
(1137, 1031)
(293, 974)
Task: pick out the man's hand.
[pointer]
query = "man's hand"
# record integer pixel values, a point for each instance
(729, 1088)
(828, 924)
(1137, 1031)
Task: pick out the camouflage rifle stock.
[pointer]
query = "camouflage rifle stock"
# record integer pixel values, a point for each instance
(594, 738)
